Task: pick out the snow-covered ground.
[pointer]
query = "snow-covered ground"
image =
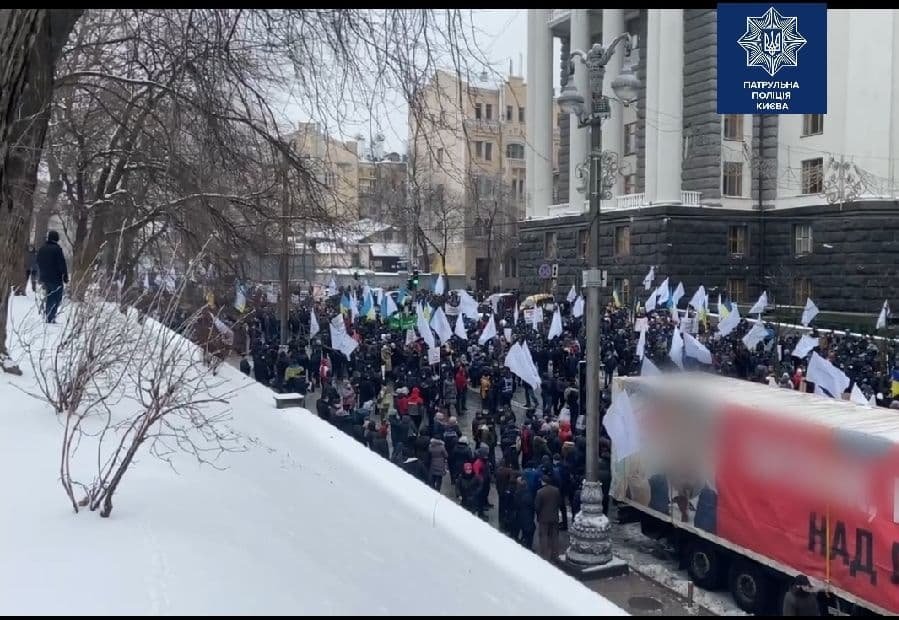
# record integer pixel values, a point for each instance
(305, 521)
(648, 557)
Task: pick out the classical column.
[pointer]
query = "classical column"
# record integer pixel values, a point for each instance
(668, 116)
(613, 128)
(579, 24)
(529, 115)
(651, 117)
(540, 98)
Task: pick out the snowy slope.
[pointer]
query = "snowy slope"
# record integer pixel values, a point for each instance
(306, 521)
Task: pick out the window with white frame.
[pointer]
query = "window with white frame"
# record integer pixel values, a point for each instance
(488, 111)
(515, 151)
(802, 239)
(733, 127)
(812, 124)
(736, 240)
(813, 176)
(630, 138)
(732, 178)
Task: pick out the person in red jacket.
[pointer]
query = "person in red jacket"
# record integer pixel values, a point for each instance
(461, 380)
(402, 401)
(416, 406)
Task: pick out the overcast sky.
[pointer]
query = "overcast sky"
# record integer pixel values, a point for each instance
(502, 37)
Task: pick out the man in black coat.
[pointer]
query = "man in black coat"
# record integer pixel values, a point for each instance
(51, 264)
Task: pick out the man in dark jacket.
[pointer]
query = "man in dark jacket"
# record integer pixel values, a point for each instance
(468, 488)
(523, 506)
(547, 504)
(51, 264)
(800, 600)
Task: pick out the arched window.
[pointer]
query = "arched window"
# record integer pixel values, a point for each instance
(515, 151)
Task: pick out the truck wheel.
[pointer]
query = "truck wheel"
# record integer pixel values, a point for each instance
(705, 565)
(751, 587)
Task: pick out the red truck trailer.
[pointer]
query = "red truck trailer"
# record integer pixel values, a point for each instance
(754, 485)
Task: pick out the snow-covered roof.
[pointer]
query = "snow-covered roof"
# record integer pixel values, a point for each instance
(389, 250)
(326, 247)
(305, 521)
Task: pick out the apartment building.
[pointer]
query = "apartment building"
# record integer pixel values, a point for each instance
(799, 205)
(468, 143)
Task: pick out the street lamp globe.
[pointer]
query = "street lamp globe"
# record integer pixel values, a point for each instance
(626, 86)
(570, 101)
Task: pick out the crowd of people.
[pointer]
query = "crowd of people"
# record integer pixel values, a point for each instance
(454, 425)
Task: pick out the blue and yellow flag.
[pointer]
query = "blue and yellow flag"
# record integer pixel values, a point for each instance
(894, 386)
(345, 304)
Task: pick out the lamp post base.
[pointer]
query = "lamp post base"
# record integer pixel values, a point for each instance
(590, 542)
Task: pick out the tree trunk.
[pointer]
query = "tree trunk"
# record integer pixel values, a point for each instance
(30, 43)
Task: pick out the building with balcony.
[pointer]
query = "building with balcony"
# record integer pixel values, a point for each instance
(799, 205)
(469, 148)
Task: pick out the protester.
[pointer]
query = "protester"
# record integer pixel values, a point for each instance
(547, 504)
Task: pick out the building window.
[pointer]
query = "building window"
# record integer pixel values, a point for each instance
(520, 114)
(813, 176)
(479, 149)
(736, 240)
(812, 124)
(582, 240)
(515, 151)
(623, 288)
(732, 178)
(477, 111)
(736, 290)
(733, 127)
(440, 156)
(511, 266)
(802, 239)
(803, 290)
(488, 111)
(630, 138)
(549, 245)
(508, 113)
(630, 184)
(622, 241)
(488, 151)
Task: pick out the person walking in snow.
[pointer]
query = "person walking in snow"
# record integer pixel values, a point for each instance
(51, 264)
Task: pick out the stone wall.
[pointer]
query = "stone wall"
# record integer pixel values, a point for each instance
(858, 270)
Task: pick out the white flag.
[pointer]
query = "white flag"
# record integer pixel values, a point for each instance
(647, 281)
(146, 282)
(882, 317)
(804, 346)
(572, 294)
(410, 337)
(270, 295)
(663, 292)
(755, 335)
(459, 330)
(641, 344)
(730, 322)
(515, 315)
(648, 369)
(677, 294)
(391, 305)
(489, 331)
(536, 317)
(424, 330)
(468, 306)
(827, 376)
(810, 312)
(760, 305)
(577, 310)
(621, 425)
(555, 328)
(240, 300)
(530, 360)
(439, 285)
(676, 352)
(332, 287)
(521, 364)
(651, 302)
(696, 349)
(507, 333)
(441, 325)
(354, 306)
(858, 397)
(314, 327)
(698, 301)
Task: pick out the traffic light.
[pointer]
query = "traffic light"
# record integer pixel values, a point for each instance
(413, 280)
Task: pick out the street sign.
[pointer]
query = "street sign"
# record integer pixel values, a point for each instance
(592, 277)
(545, 271)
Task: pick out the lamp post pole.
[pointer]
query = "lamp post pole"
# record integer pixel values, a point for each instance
(590, 543)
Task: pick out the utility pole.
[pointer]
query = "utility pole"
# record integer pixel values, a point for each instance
(284, 268)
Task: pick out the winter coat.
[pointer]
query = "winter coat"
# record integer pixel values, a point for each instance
(468, 487)
(449, 390)
(51, 264)
(461, 455)
(437, 450)
(245, 366)
(461, 380)
(547, 504)
(800, 604)
(524, 509)
(413, 467)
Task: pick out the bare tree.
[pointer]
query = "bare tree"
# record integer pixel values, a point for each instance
(30, 43)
